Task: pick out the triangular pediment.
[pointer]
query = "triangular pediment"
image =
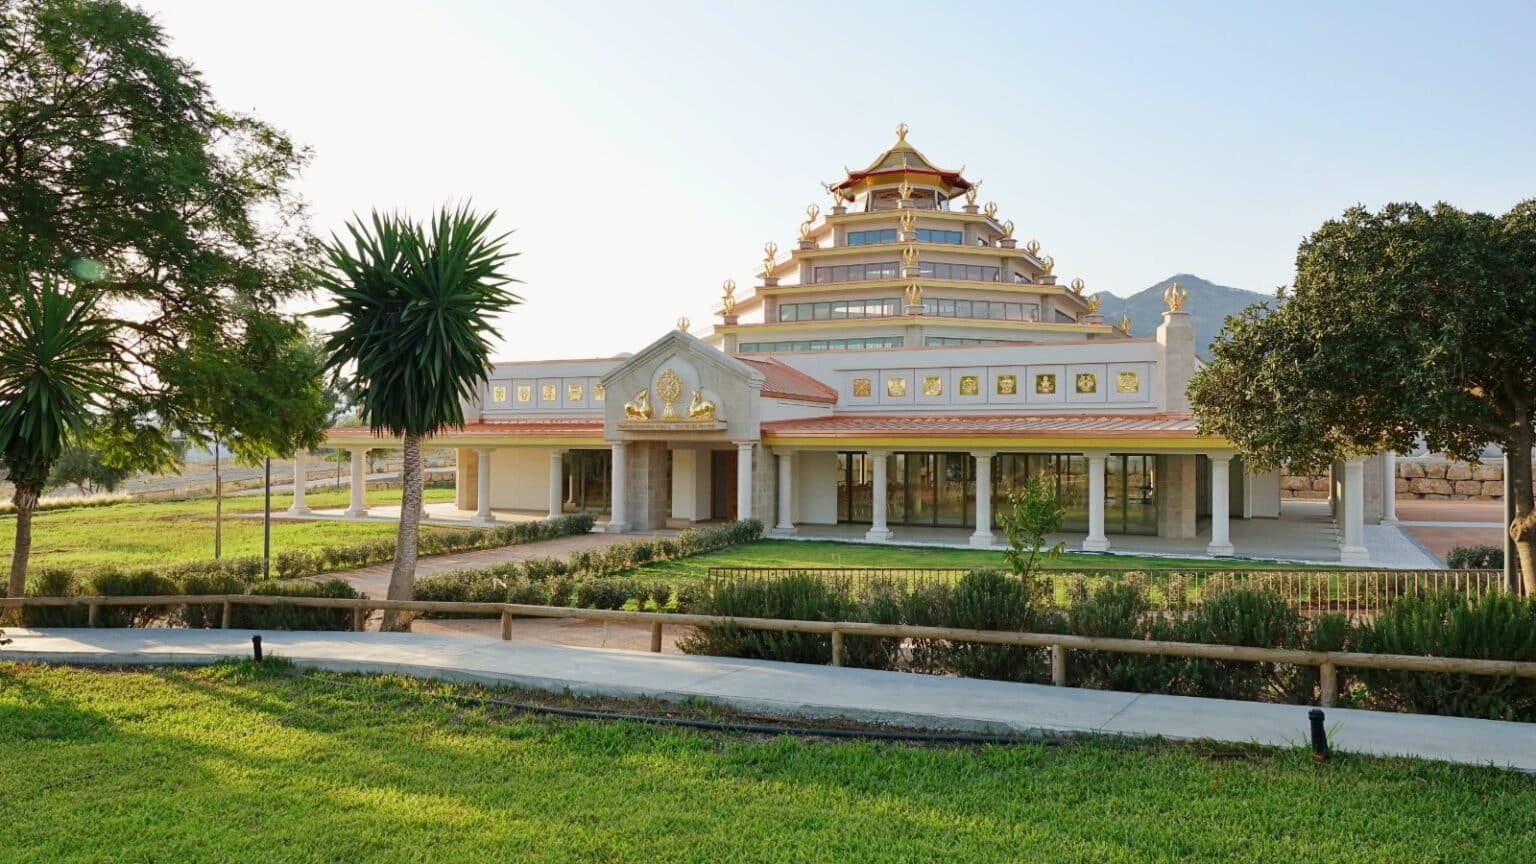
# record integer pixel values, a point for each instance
(678, 385)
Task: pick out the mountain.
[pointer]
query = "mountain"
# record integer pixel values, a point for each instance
(1208, 306)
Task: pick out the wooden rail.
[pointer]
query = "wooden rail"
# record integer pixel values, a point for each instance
(1327, 662)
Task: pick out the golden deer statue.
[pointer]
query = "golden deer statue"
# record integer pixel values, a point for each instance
(700, 408)
(639, 408)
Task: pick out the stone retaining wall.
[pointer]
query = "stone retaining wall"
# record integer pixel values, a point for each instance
(1417, 477)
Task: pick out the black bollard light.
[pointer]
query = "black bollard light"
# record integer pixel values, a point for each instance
(256, 649)
(1319, 737)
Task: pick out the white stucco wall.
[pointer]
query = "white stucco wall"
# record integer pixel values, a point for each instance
(1262, 495)
(520, 478)
(815, 488)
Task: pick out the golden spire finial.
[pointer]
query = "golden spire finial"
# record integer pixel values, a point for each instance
(990, 209)
(1174, 295)
(970, 194)
(1008, 229)
(905, 189)
(914, 294)
(1077, 286)
(770, 249)
(909, 256)
(1125, 325)
(901, 133)
(837, 194)
(1032, 247)
(811, 212)
(729, 286)
(682, 323)
(908, 220)
(1048, 264)
(1094, 303)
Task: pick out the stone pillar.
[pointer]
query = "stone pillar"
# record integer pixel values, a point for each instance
(298, 508)
(786, 526)
(1352, 548)
(359, 505)
(483, 486)
(556, 462)
(1176, 360)
(1095, 541)
(878, 531)
(744, 480)
(1389, 487)
(983, 535)
(616, 518)
(1221, 508)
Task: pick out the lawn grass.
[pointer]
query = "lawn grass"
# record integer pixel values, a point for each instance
(157, 533)
(234, 764)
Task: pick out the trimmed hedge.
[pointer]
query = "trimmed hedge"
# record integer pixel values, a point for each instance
(1478, 557)
(113, 583)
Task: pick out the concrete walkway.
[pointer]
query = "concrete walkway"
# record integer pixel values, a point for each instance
(374, 580)
(799, 690)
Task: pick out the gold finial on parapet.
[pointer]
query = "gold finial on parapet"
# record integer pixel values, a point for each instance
(836, 193)
(1093, 304)
(770, 249)
(901, 133)
(1008, 230)
(908, 221)
(1032, 247)
(1125, 325)
(905, 189)
(914, 294)
(909, 256)
(729, 286)
(970, 194)
(811, 212)
(1077, 287)
(990, 209)
(683, 323)
(1047, 264)
(1174, 295)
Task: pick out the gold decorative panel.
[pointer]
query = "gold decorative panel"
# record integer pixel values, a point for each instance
(896, 386)
(548, 393)
(861, 387)
(598, 392)
(573, 392)
(1007, 385)
(1087, 382)
(498, 394)
(669, 387)
(524, 393)
(1127, 382)
(933, 385)
(970, 385)
(1045, 384)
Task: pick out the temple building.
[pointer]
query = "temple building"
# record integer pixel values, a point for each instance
(895, 375)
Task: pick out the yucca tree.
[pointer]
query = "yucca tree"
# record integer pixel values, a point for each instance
(415, 303)
(58, 362)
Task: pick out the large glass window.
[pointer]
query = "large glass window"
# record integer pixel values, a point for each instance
(930, 235)
(853, 344)
(866, 238)
(585, 475)
(995, 311)
(963, 272)
(840, 309)
(858, 272)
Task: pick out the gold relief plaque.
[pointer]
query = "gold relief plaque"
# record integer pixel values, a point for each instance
(597, 392)
(524, 393)
(861, 387)
(1007, 385)
(1087, 382)
(573, 392)
(498, 394)
(933, 385)
(970, 385)
(548, 393)
(1045, 384)
(896, 386)
(669, 387)
(1127, 382)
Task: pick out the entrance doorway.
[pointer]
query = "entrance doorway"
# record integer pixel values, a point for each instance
(722, 485)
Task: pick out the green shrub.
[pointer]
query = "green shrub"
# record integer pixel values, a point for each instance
(1240, 616)
(284, 616)
(202, 615)
(1478, 557)
(659, 593)
(559, 591)
(797, 596)
(527, 592)
(991, 600)
(295, 563)
(54, 582)
(1118, 609)
(145, 583)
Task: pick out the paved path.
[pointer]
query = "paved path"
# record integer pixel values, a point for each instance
(374, 580)
(792, 689)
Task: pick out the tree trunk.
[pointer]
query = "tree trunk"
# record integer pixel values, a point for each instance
(218, 501)
(1523, 529)
(25, 499)
(403, 576)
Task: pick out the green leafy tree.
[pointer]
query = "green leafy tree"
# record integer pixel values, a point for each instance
(415, 303)
(1404, 321)
(81, 466)
(1033, 516)
(58, 362)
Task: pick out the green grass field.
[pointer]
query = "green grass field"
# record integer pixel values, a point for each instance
(154, 533)
(233, 764)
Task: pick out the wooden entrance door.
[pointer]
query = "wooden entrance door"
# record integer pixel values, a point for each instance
(722, 485)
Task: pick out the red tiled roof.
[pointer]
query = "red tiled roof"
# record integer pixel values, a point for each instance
(988, 425)
(785, 382)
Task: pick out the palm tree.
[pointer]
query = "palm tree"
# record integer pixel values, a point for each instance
(416, 303)
(58, 362)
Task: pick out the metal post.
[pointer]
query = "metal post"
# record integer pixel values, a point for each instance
(266, 525)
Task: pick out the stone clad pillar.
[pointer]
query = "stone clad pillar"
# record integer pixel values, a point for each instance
(744, 480)
(983, 535)
(1389, 487)
(298, 508)
(483, 486)
(1221, 507)
(556, 463)
(786, 526)
(1095, 541)
(878, 532)
(359, 490)
(1352, 549)
(616, 518)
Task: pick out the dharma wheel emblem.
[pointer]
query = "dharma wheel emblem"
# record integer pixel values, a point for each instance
(669, 387)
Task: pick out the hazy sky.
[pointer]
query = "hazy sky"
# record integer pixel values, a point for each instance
(643, 152)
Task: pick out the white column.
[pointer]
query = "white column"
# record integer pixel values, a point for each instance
(359, 505)
(1389, 487)
(983, 535)
(298, 508)
(1095, 541)
(786, 526)
(483, 486)
(878, 531)
(1221, 508)
(616, 518)
(744, 480)
(1352, 550)
(556, 463)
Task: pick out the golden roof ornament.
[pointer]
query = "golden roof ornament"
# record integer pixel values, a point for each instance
(970, 194)
(836, 193)
(770, 250)
(669, 387)
(901, 133)
(682, 323)
(990, 209)
(1047, 264)
(1175, 295)
(1094, 302)
(908, 220)
(914, 294)
(1077, 286)
(1008, 229)
(909, 256)
(811, 212)
(1125, 325)
(729, 286)
(905, 189)
(1032, 247)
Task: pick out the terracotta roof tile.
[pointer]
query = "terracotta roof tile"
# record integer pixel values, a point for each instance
(786, 382)
(988, 425)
